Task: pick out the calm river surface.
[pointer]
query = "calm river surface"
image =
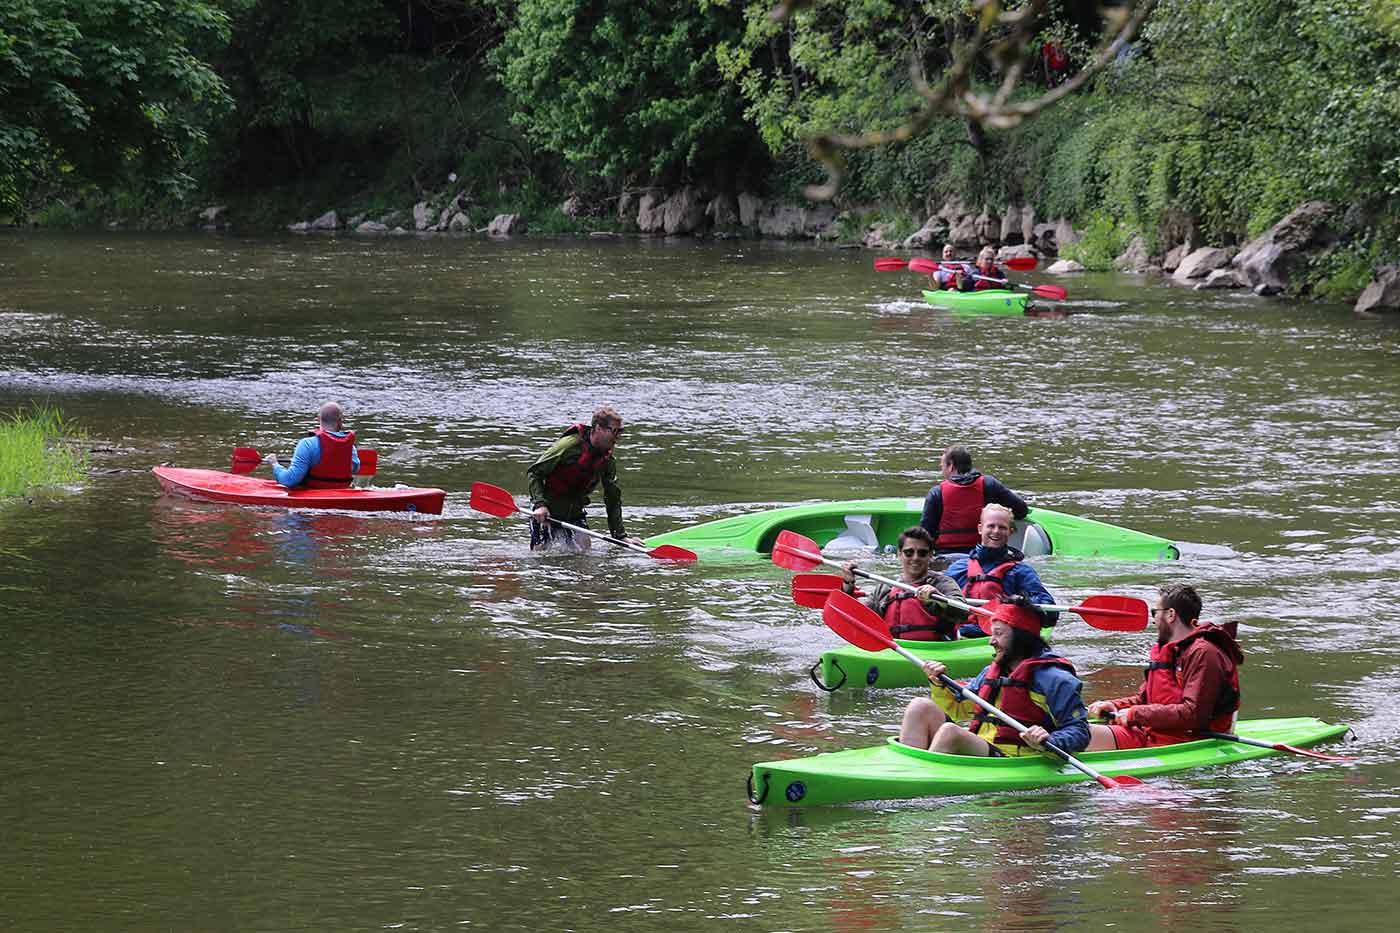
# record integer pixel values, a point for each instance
(223, 718)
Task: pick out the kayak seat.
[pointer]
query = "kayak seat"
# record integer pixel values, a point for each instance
(859, 535)
(1031, 539)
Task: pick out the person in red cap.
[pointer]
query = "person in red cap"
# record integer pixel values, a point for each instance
(1192, 682)
(1026, 680)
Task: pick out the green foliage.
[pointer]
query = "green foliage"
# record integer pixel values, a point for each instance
(39, 448)
(101, 91)
(1104, 240)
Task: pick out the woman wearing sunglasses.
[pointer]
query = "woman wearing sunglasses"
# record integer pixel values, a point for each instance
(914, 616)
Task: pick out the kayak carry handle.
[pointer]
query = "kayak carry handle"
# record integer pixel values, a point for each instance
(812, 673)
(761, 797)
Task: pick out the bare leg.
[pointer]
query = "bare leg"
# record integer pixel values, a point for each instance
(922, 717)
(1101, 739)
(953, 739)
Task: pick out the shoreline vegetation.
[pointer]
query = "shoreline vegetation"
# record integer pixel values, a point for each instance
(1214, 122)
(39, 448)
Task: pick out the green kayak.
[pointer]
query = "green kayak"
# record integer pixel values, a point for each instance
(894, 771)
(990, 301)
(849, 666)
(876, 523)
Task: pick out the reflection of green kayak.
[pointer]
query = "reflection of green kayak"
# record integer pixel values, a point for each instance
(852, 667)
(990, 301)
(892, 771)
(872, 523)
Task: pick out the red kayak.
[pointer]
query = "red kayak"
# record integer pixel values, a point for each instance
(218, 486)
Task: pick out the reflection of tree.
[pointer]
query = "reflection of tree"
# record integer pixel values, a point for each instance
(1002, 38)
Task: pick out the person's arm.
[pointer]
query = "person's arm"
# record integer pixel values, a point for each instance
(875, 600)
(957, 572)
(933, 511)
(1099, 708)
(612, 500)
(1203, 675)
(1063, 695)
(538, 472)
(996, 491)
(306, 455)
(354, 460)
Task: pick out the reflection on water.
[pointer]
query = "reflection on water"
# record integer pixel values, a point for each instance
(270, 719)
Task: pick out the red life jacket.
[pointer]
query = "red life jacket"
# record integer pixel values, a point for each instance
(962, 507)
(982, 283)
(1012, 695)
(334, 470)
(582, 475)
(1163, 675)
(988, 584)
(908, 619)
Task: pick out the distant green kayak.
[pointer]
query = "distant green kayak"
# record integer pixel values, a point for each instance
(854, 668)
(989, 301)
(876, 523)
(894, 771)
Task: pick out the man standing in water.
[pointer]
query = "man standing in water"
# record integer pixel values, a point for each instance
(564, 475)
(325, 458)
(952, 508)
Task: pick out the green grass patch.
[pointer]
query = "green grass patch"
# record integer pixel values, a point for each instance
(39, 448)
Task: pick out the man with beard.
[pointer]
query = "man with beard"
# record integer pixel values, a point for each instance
(564, 475)
(1026, 680)
(916, 616)
(1192, 682)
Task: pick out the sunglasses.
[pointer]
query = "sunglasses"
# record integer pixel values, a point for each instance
(916, 552)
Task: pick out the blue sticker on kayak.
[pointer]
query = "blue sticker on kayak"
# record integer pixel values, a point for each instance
(872, 675)
(796, 791)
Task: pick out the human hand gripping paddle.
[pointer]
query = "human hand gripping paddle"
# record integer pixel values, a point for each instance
(247, 459)
(858, 624)
(1048, 292)
(493, 500)
(1106, 613)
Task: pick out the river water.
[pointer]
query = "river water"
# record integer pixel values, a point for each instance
(226, 718)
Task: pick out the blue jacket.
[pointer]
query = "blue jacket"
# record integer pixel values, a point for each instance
(1068, 720)
(1021, 578)
(306, 456)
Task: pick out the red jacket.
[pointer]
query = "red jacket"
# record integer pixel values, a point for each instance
(1204, 668)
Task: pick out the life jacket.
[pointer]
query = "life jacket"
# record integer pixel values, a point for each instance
(962, 506)
(986, 584)
(1163, 675)
(583, 474)
(907, 618)
(981, 284)
(1012, 695)
(334, 470)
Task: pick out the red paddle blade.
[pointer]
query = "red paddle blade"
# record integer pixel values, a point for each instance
(1120, 782)
(856, 622)
(493, 500)
(890, 264)
(812, 589)
(1321, 756)
(1051, 292)
(1114, 613)
(671, 552)
(792, 551)
(1021, 263)
(245, 460)
(369, 462)
(926, 266)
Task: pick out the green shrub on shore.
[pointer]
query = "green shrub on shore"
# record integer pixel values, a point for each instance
(37, 449)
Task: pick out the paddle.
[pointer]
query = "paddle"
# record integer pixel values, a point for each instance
(1049, 292)
(1276, 746)
(795, 552)
(247, 459)
(859, 625)
(493, 500)
(893, 264)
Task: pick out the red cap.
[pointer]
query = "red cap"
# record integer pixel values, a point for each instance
(1028, 620)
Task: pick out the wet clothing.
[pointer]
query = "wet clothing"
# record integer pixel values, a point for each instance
(307, 457)
(1191, 684)
(559, 481)
(912, 620)
(1041, 691)
(993, 490)
(548, 535)
(1020, 577)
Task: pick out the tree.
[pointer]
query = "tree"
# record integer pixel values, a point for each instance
(101, 90)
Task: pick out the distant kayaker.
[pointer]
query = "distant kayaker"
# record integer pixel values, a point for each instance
(564, 475)
(1192, 682)
(946, 276)
(985, 269)
(914, 616)
(1026, 680)
(325, 458)
(996, 570)
(952, 508)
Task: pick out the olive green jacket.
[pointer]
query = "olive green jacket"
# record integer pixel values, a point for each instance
(569, 507)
